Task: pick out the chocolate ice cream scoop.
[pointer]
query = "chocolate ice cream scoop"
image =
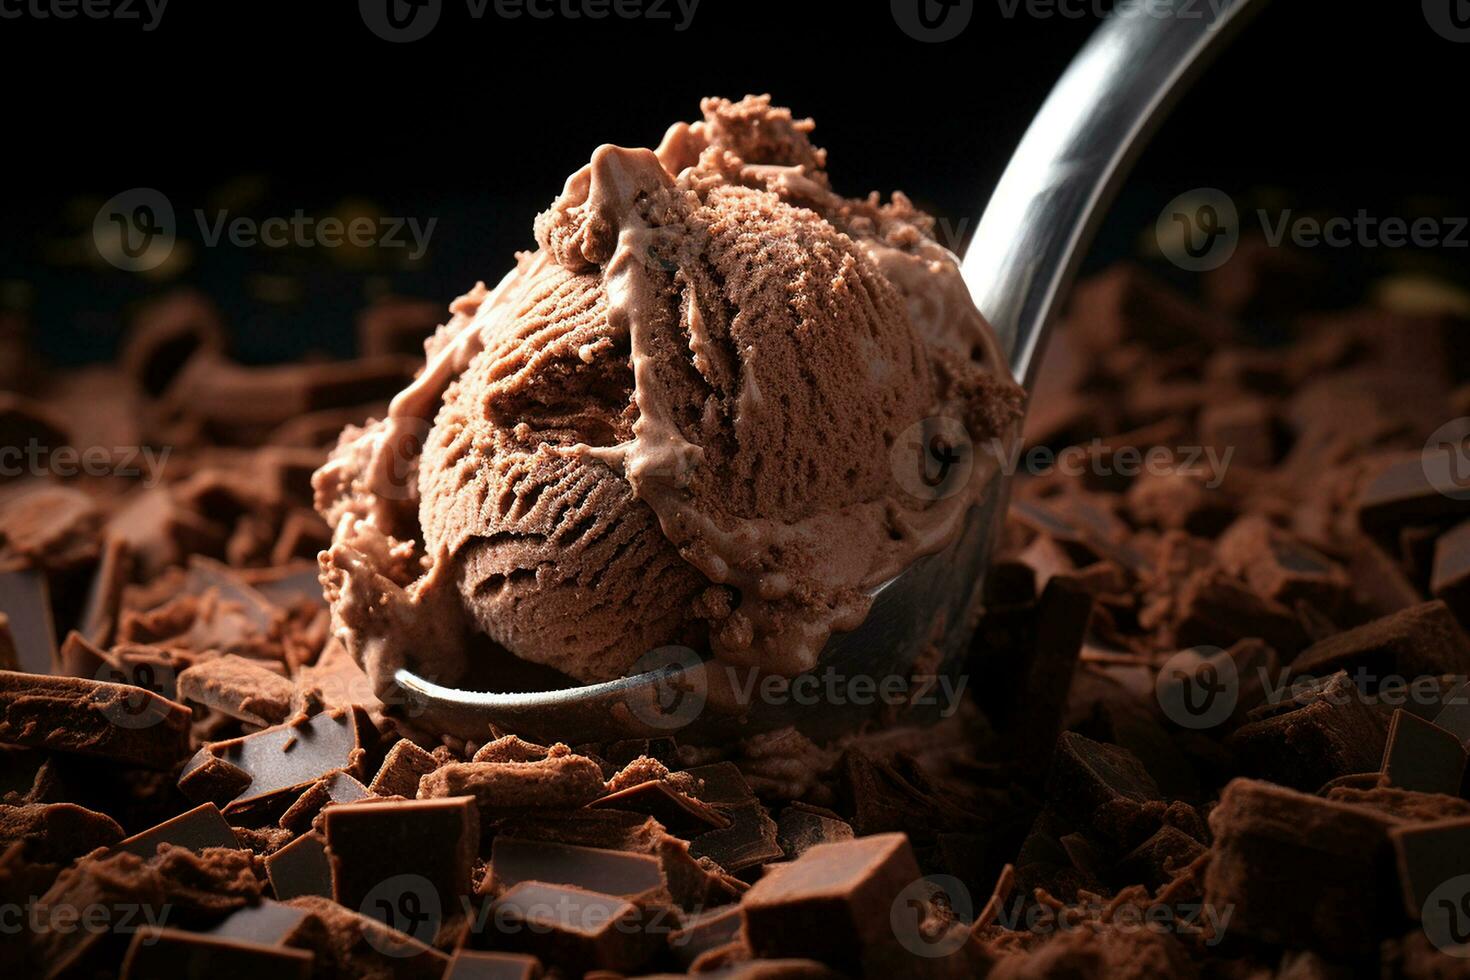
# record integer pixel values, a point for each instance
(682, 420)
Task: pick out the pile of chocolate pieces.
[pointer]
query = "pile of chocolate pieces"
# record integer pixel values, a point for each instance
(1214, 722)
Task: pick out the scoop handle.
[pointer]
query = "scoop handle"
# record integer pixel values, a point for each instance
(1048, 204)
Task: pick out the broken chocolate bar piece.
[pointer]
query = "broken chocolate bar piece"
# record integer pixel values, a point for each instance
(1279, 567)
(55, 833)
(354, 945)
(196, 829)
(25, 600)
(301, 868)
(1424, 640)
(1450, 578)
(680, 813)
(1428, 855)
(334, 789)
(1102, 786)
(269, 923)
(1407, 492)
(1422, 757)
(99, 616)
(156, 954)
(1159, 859)
(284, 761)
(798, 830)
(413, 854)
(239, 688)
(832, 903)
(402, 768)
(721, 784)
(110, 721)
(704, 932)
(1324, 732)
(748, 841)
(562, 780)
(470, 965)
(210, 779)
(633, 877)
(571, 928)
(1299, 870)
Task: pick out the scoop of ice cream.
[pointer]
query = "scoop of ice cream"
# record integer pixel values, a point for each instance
(676, 420)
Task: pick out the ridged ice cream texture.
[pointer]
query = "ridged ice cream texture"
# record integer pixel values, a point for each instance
(673, 422)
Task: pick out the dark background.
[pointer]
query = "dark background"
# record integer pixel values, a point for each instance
(266, 108)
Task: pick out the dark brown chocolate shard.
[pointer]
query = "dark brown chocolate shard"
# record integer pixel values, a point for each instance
(200, 828)
(240, 688)
(301, 868)
(510, 748)
(269, 923)
(99, 615)
(679, 812)
(156, 954)
(704, 932)
(1299, 870)
(721, 784)
(411, 857)
(1427, 856)
(354, 945)
(571, 928)
(210, 779)
(1102, 786)
(1424, 640)
(1279, 567)
(402, 768)
(634, 877)
(25, 599)
(1158, 860)
(799, 830)
(748, 841)
(1422, 757)
(470, 965)
(561, 780)
(1216, 611)
(832, 904)
(55, 833)
(284, 761)
(1323, 732)
(1407, 492)
(1450, 577)
(86, 717)
(332, 790)
(9, 653)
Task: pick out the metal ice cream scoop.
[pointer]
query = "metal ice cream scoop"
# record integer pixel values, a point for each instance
(1035, 231)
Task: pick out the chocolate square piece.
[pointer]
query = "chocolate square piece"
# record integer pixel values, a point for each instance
(269, 923)
(163, 954)
(197, 829)
(571, 928)
(470, 965)
(749, 840)
(285, 760)
(301, 868)
(402, 768)
(239, 688)
(415, 854)
(619, 873)
(1429, 855)
(1422, 757)
(109, 721)
(833, 903)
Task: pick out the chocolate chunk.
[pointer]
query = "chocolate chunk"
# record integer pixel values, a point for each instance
(1102, 786)
(1428, 855)
(196, 830)
(1422, 640)
(285, 760)
(1401, 804)
(1215, 611)
(55, 833)
(833, 903)
(704, 932)
(239, 688)
(269, 923)
(410, 857)
(25, 600)
(210, 779)
(721, 784)
(334, 789)
(9, 655)
(574, 929)
(1450, 578)
(469, 965)
(799, 830)
(677, 811)
(159, 953)
(99, 616)
(1407, 492)
(301, 868)
(402, 768)
(562, 780)
(748, 841)
(1159, 859)
(353, 945)
(634, 877)
(1322, 733)
(510, 748)
(1422, 757)
(1279, 567)
(1298, 870)
(110, 721)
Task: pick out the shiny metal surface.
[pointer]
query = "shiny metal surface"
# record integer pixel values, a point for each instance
(1036, 227)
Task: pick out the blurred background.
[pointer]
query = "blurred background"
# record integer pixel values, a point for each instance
(255, 110)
